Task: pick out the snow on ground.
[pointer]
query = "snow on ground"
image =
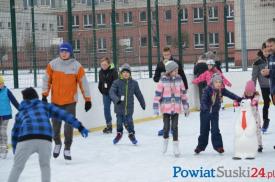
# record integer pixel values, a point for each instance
(96, 159)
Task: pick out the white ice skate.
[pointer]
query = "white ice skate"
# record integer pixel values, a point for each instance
(176, 148)
(165, 145)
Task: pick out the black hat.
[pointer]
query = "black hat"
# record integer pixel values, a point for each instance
(29, 94)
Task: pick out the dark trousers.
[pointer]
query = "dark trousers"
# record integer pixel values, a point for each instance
(266, 97)
(127, 121)
(209, 121)
(167, 120)
(68, 129)
(107, 109)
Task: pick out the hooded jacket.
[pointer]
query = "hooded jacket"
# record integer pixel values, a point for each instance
(106, 79)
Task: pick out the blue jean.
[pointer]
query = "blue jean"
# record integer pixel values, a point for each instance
(127, 121)
(107, 109)
(209, 122)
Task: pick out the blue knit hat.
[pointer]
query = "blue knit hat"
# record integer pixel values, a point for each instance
(66, 46)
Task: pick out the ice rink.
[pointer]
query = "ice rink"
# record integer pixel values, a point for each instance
(96, 159)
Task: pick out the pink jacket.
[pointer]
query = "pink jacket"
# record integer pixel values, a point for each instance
(170, 95)
(207, 75)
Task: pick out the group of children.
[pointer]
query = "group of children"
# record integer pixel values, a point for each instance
(170, 99)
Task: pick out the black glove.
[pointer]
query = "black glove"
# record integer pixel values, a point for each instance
(119, 102)
(44, 99)
(143, 107)
(88, 105)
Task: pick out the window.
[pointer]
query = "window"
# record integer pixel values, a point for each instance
(213, 13)
(51, 27)
(230, 12)
(142, 16)
(153, 15)
(198, 14)
(87, 21)
(27, 26)
(2, 25)
(155, 41)
(214, 40)
(36, 26)
(60, 24)
(102, 45)
(143, 41)
(19, 26)
(199, 40)
(184, 15)
(9, 25)
(168, 15)
(128, 18)
(44, 27)
(45, 2)
(230, 39)
(101, 21)
(75, 21)
(168, 40)
(117, 18)
(130, 47)
(76, 46)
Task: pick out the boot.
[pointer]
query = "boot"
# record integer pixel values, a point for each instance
(176, 148)
(108, 129)
(133, 138)
(67, 155)
(260, 148)
(117, 138)
(56, 150)
(220, 150)
(165, 145)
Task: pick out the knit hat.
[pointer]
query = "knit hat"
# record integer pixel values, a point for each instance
(216, 77)
(250, 86)
(1, 80)
(67, 47)
(29, 94)
(210, 62)
(170, 66)
(210, 55)
(125, 67)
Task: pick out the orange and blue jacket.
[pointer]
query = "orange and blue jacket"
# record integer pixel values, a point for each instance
(61, 79)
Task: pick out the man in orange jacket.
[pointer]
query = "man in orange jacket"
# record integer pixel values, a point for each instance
(62, 76)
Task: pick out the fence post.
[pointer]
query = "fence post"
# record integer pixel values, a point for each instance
(94, 39)
(205, 26)
(225, 36)
(14, 44)
(114, 40)
(33, 46)
(243, 36)
(179, 31)
(70, 25)
(157, 28)
(149, 38)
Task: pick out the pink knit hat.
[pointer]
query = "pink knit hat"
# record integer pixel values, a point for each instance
(250, 86)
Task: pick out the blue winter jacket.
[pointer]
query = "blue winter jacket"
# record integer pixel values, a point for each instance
(6, 97)
(211, 100)
(33, 121)
(127, 89)
(271, 66)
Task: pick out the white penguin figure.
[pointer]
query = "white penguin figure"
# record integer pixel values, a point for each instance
(246, 142)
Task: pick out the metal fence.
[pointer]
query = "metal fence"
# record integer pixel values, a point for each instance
(133, 31)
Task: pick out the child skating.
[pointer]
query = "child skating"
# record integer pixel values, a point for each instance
(32, 133)
(122, 94)
(170, 98)
(209, 114)
(6, 97)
